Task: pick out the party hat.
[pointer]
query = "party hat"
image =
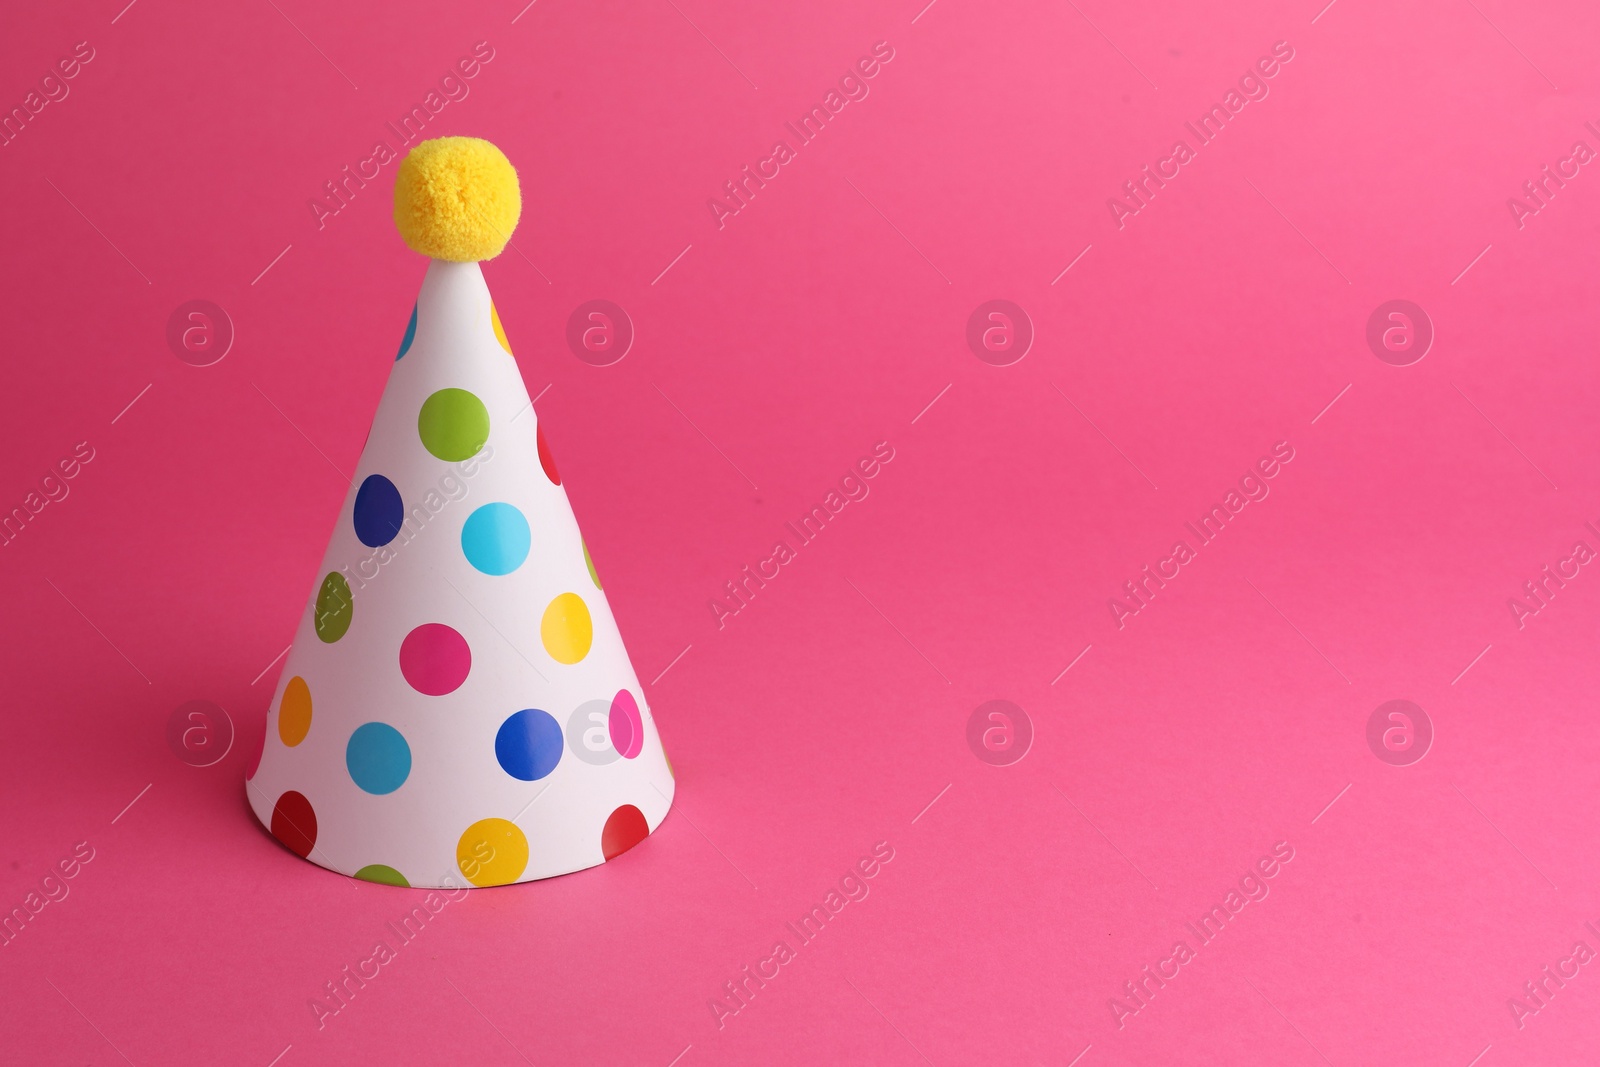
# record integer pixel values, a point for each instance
(457, 706)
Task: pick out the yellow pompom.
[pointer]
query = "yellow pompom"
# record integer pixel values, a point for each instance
(457, 198)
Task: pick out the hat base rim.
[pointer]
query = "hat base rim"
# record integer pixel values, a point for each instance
(455, 879)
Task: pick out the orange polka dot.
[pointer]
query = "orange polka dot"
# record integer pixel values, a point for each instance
(294, 712)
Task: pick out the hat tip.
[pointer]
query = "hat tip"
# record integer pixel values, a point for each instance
(457, 198)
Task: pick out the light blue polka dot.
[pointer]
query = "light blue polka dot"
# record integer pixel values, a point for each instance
(495, 538)
(378, 758)
(411, 334)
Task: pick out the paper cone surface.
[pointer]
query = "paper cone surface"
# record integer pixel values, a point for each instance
(457, 707)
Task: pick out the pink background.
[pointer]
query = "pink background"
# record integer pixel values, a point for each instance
(827, 714)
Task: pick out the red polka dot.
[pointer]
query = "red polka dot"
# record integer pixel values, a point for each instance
(435, 659)
(546, 460)
(295, 824)
(624, 829)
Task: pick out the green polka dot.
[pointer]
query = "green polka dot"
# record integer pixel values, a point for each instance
(383, 874)
(593, 577)
(453, 424)
(334, 608)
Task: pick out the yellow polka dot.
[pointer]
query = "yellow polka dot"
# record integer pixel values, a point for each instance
(492, 852)
(294, 712)
(567, 630)
(499, 330)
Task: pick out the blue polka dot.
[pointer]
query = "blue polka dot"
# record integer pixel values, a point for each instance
(379, 511)
(411, 334)
(528, 745)
(495, 538)
(378, 758)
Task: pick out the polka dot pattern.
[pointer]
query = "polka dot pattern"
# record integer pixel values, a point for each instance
(335, 608)
(495, 538)
(435, 659)
(294, 823)
(492, 852)
(546, 460)
(566, 629)
(379, 511)
(465, 674)
(294, 712)
(378, 758)
(453, 425)
(528, 744)
(624, 828)
(411, 334)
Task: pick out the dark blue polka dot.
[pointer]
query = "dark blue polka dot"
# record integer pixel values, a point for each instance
(528, 745)
(379, 511)
(411, 334)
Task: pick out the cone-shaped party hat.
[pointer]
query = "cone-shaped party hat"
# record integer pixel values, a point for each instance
(457, 707)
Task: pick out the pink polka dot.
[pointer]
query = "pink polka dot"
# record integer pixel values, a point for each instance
(627, 729)
(435, 659)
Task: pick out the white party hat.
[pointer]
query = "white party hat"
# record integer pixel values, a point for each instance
(457, 705)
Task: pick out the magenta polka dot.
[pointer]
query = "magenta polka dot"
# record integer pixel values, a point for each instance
(627, 729)
(435, 659)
